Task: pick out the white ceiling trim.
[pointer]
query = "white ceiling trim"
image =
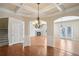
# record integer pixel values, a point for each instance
(34, 10)
(9, 12)
(25, 7)
(47, 8)
(66, 18)
(65, 11)
(60, 7)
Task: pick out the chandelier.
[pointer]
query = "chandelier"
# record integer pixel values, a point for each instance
(37, 24)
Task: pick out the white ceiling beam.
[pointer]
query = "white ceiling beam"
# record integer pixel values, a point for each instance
(41, 12)
(60, 6)
(22, 6)
(47, 8)
(76, 8)
(25, 7)
(7, 11)
(17, 9)
(42, 15)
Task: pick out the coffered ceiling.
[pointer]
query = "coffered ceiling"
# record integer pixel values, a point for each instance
(30, 9)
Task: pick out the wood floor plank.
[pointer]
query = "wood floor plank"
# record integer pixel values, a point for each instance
(17, 50)
(62, 48)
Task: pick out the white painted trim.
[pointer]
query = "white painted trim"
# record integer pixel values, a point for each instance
(14, 43)
(67, 18)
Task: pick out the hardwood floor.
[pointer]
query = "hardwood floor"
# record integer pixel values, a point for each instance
(38, 45)
(62, 48)
(68, 45)
(50, 52)
(18, 50)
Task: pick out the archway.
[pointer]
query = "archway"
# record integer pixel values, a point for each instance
(66, 31)
(65, 27)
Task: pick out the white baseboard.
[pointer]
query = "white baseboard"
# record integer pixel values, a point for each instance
(14, 43)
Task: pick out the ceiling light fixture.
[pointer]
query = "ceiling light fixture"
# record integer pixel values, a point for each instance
(38, 23)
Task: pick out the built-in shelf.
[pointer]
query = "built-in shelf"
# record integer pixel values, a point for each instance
(3, 28)
(3, 38)
(3, 35)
